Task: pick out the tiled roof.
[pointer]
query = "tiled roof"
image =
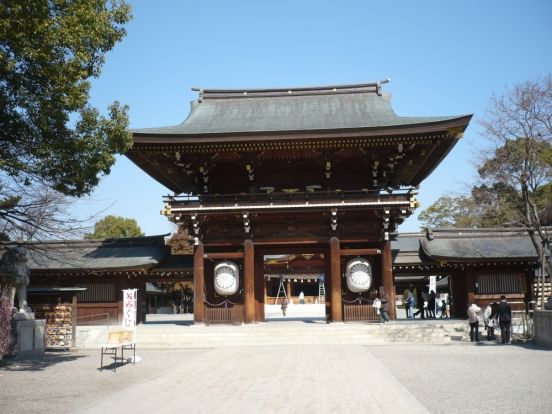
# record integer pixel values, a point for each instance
(290, 109)
(130, 253)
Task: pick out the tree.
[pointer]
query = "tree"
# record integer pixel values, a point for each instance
(449, 212)
(486, 206)
(181, 242)
(49, 134)
(39, 213)
(519, 126)
(113, 227)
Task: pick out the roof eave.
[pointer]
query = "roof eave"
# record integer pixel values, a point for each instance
(457, 124)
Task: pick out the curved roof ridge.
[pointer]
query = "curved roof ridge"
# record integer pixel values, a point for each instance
(285, 91)
(474, 232)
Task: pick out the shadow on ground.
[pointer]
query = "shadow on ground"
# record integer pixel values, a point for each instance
(39, 363)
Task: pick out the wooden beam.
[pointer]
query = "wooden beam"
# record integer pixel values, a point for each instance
(224, 256)
(360, 252)
(292, 241)
(299, 241)
(249, 280)
(199, 284)
(335, 268)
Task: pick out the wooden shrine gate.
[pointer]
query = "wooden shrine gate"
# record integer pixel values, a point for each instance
(248, 306)
(330, 168)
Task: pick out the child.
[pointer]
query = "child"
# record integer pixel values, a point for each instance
(490, 320)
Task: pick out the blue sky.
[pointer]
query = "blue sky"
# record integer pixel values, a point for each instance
(443, 58)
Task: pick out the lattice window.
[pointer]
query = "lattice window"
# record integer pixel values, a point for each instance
(97, 292)
(499, 282)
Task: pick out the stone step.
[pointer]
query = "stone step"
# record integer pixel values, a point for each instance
(174, 336)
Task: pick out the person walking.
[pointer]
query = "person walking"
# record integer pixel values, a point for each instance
(384, 308)
(473, 319)
(505, 319)
(444, 313)
(425, 300)
(284, 306)
(421, 308)
(409, 303)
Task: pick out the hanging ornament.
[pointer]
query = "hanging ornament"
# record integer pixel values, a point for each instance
(359, 275)
(226, 278)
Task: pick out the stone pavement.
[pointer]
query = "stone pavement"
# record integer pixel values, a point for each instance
(301, 379)
(458, 377)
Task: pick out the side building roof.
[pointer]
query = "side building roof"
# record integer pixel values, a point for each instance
(106, 254)
(462, 246)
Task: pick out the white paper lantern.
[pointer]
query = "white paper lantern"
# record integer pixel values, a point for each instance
(227, 278)
(359, 275)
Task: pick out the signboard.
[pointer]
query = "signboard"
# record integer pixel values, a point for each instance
(130, 305)
(432, 284)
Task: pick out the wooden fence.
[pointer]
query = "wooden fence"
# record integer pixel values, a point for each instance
(233, 314)
(364, 312)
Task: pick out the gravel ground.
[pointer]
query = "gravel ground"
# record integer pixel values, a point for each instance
(457, 378)
(468, 378)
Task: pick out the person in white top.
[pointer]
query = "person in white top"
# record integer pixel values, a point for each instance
(473, 319)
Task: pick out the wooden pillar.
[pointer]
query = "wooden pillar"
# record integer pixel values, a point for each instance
(459, 294)
(209, 282)
(327, 285)
(387, 276)
(335, 269)
(288, 289)
(470, 285)
(260, 286)
(199, 283)
(122, 285)
(249, 280)
(141, 303)
(74, 321)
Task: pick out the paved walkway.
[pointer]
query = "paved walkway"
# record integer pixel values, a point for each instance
(459, 378)
(327, 379)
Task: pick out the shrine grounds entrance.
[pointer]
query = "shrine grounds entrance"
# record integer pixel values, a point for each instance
(294, 287)
(271, 273)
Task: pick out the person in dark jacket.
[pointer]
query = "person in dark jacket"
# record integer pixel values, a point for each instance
(420, 300)
(444, 313)
(505, 319)
(431, 304)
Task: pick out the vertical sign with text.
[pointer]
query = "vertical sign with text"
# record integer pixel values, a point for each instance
(433, 284)
(130, 304)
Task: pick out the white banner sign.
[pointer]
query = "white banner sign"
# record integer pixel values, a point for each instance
(130, 305)
(432, 284)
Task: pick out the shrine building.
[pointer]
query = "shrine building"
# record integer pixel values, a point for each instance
(325, 173)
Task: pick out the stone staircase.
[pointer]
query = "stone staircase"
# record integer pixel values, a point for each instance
(173, 336)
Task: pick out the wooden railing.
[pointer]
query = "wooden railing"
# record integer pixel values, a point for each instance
(233, 314)
(364, 312)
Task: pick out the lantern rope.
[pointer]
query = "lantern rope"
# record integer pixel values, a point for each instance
(224, 302)
(357, 300)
